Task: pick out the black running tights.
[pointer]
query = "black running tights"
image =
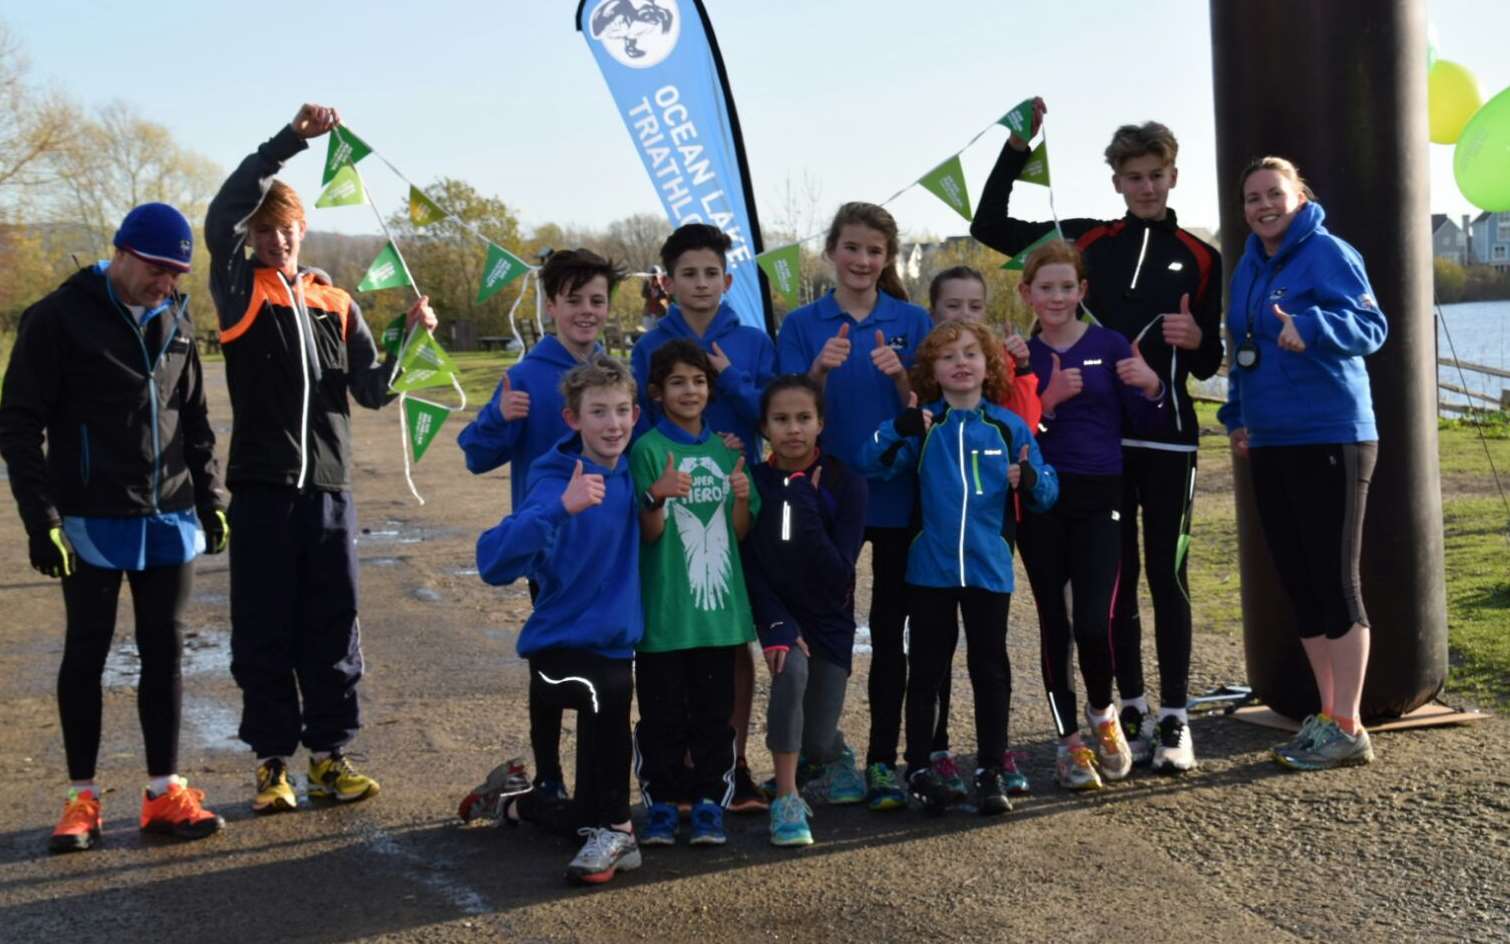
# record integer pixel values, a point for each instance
(158, 598)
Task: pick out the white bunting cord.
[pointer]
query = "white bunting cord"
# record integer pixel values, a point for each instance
(523, 287)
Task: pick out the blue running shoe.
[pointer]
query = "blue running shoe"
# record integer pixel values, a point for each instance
(708, 824)
(660, 825)
(1012, 778)
(789, 821)
(845, 785)
(883, 792)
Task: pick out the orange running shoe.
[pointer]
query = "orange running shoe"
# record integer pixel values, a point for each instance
(179, 812)
(79, 829)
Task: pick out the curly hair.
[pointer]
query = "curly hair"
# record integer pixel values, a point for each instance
(997, 377)
(679, 351)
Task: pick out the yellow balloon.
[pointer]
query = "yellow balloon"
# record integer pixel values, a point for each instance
(1452, 95)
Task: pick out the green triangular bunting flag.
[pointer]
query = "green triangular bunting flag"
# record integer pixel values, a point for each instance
(424, 364)
(393, 336)
(422, 210)
(424, 420)
(501, 268)
(1021, 259)
(782, 266)
(1020, 119)
(386, 271)
(947, 182)
(345, 148)
(1036, 170)
(345, 189)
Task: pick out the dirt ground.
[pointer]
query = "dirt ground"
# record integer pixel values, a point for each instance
(1412, 848)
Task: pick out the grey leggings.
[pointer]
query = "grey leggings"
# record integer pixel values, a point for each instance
(807, 698)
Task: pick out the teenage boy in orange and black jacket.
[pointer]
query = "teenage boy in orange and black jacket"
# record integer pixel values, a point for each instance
(295, 346)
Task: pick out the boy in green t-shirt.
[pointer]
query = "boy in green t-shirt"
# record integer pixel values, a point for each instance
(696, 506)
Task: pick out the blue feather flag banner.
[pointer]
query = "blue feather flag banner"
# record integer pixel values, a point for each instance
(663, 67)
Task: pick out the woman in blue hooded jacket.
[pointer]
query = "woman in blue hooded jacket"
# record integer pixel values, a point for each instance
(1302, 317)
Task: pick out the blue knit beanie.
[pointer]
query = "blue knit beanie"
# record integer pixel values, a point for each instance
(159, 234)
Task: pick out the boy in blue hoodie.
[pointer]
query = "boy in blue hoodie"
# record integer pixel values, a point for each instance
(577, 536)
(695, 257)
(523, 420)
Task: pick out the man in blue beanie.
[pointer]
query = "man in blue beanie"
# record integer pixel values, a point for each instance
(106, 371)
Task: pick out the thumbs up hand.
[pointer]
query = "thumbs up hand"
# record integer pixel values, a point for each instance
(1014, 471)
(1180, 329)
(1135, 372)
(1064, 383)
(1289, 337)
(583, 491)
(512, 404)
(672, 483)
(835, 352)
(739, 482)
(1017, 349)
(913, 421)
(885, 358)
(718, 358)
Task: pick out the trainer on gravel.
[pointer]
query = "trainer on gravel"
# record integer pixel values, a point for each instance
(1302, 318)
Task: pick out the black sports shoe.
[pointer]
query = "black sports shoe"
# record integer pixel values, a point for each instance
(929, 789)
(991, 792)
(747, 797)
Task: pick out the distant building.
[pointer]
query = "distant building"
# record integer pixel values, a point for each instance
(1448, 240)
(1489, 240)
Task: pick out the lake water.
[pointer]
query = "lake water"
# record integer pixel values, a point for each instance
(1480, 333)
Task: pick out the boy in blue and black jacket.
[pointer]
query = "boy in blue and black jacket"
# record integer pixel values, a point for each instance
(523, 422)
(696, 261)
(577, 535)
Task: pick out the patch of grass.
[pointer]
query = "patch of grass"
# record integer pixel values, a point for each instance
(1477, 549)
(1478, 596)
(1466, 450)
(479, 372)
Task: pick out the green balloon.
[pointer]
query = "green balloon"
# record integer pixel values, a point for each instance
(1481, 159)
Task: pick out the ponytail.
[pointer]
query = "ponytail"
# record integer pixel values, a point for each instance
(891, 282)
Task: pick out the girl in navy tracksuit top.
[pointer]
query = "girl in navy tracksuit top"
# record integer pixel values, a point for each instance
(1094, 388)
(858, 341)
(971, 457)
(799, 561)
(1303, 317)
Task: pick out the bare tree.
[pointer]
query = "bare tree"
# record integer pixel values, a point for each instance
(34, 124)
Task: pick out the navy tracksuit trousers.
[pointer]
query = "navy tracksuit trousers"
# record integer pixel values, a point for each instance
(296, 646)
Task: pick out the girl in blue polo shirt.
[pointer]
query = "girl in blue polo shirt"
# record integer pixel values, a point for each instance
(858, 342)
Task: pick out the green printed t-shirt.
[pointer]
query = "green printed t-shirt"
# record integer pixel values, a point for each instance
(691, 580)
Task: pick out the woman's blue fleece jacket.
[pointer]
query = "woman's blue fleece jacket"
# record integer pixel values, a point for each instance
(587, 565)
(1321, 394)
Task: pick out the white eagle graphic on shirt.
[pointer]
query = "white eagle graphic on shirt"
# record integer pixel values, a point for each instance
(705, 547)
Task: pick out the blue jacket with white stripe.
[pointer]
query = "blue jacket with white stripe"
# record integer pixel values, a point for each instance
(969, 522)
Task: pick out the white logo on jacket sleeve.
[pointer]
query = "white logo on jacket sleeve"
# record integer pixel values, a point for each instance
(1367, 303)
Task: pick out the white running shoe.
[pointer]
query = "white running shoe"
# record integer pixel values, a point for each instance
(1175, 752)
